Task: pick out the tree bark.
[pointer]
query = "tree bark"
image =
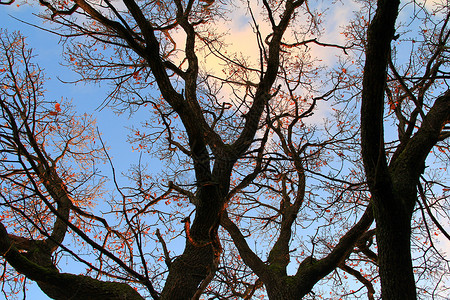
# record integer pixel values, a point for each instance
(393, 206)
(310, 271)
(393, 187)
(202, 249)
(394, 251)
(62, 285)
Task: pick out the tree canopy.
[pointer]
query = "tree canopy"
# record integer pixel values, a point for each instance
(304, 151)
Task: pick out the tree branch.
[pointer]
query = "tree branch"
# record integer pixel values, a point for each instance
(62, 285)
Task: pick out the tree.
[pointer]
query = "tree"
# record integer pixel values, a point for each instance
(47, 156)
(242, 152)
(394, 185)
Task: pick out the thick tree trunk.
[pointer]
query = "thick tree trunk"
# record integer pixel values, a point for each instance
(187, 272)
(392, 213)
(394, 254)
(202, 249)
(280, 290)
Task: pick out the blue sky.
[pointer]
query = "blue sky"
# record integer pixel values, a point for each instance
(86, 98)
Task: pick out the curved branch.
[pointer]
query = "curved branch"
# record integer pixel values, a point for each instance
(62, 285)
(379, 36)
(416, 151)
(56, 12)
(315, 41)
(360, 278)
(248, 256)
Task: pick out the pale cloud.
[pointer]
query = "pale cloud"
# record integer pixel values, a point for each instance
(429, 4)
(240, 41)
(336, 18)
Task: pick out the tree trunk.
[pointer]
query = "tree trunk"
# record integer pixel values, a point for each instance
(202, 249)
(187, 272)
(392, 206)
(279, 288)
(394, 252)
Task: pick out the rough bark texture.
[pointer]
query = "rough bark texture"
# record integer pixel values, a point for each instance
(392, 217)
(62, 285)
(393, 187)
(202, 248)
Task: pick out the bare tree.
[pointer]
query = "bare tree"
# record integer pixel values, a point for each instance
(244, 158)
(421, 125)
(46, 173)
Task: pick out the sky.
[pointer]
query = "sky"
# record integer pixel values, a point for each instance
(87, 98)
